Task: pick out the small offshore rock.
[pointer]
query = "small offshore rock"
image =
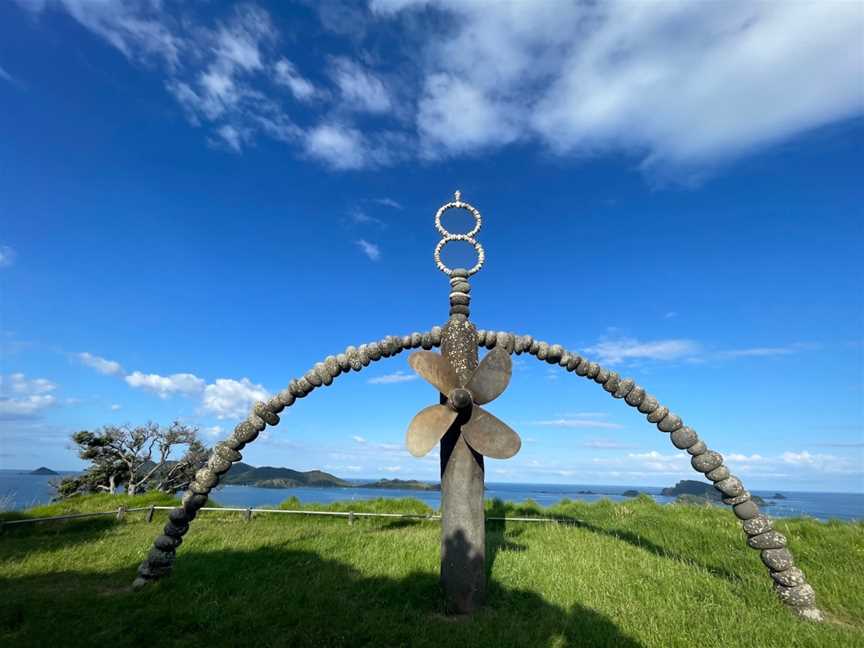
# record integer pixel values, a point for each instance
(767, 540)
(792, 577)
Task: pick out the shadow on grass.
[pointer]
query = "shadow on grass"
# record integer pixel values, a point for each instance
(278, 596)
(18, 540)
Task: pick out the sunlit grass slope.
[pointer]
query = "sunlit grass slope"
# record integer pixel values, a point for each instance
(630, 574)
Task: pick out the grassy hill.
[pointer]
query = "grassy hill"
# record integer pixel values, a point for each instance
(634, 574)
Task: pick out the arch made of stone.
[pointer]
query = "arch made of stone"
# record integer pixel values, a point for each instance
(789, 581)
(160, 559)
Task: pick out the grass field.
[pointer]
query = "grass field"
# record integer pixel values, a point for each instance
(628, 575)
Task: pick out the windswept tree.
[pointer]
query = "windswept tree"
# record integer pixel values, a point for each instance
(137, 458)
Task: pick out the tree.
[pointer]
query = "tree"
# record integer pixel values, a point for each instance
(135, 457)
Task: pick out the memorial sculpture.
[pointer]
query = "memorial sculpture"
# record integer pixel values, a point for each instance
(467, 432)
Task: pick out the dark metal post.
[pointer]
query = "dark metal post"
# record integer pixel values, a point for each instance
(463, 529)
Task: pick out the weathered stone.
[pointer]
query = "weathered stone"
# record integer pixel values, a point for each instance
(481, 337)
(648, 404)
(287, 397)
(554, 353)
(757, 525)
(200, 489)
(810, 613)
(275, 404)
(406, 341)
(245, 432)
(416, 340)
(344, 363)
(180, 516)
(706, 461)
(193, 501)
(374, 350)
(611, 383)
(767, 540)
(800, 596)
(323, 373)
(634, 396)
(426, 340)
(542, 350)
(737, 499)
(670, 423)
(218, 465)
(363, 356)
(256, 422)
(527, 341)
(227, 453)
(564, 359)
(684, 437)
(435, 334)
(175, 530)
(730, 487)
(745, 510)
(505, 341)
(150, 572)
(388, 347)
(623, 388)
(658, 414)
(518, 344)
(573, 361)
(697, 448)
(167, 543)
(792, 577)
(262, 412)
(294, 388)
(460, 310)
(593, 371)
(602, 375)
(332, 365)
(313, 378)
(461, 286)
(462, 300)
(305, 387)
(534, 347)
(718, 474)
(158, 556)
(582, 367)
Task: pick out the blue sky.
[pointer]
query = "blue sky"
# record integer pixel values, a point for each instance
(198, 202)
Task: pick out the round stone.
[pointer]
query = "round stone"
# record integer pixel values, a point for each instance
(611, 383)
(554, 353)
(624, 387)
(287, 397)
(730, 487)
(218, 465)
(658, 414)
(435, 334)
(534, 347)
(374, 350)
(634, 396)
(333, 367)
(718, 474)
(737, 499)
(757, 525)
(406, 341)
(812, 614)
(167, 543)
(601, 376)
(256, 422)
(416, 340)
(518, 347)
(275, 404)
(363, 355)
(792, 577)
(767, 540)
(697, 448)
(323, 373)
(456, 309)
(426, 340)
(593, 370)
(565, 358)
(777, 559)
(491, 339)
(313, 378)
(344, 363)
(648, 404)
(746, 510)
(226, 452)
(245, 432)
(158, 556)
(505, 341)
(386, 347)
(573, 361)
(582, 367)
(684, 437)
(670, 423)
(305, 387)
(800, 596)
(462, 300)
(542, 350)
(481, 337)
(461, 286)
(179, 516)
(706, 461)
(174, 530)
(193, 501)
(199, 489)
(261, 411)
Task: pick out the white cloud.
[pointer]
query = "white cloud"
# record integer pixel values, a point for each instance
(6, 76)
(285, 74)
(165, 386)
(358, 439)
(389, 379)
(22, 397)
(391, 469)
(388, 202)
(340, 147)
(116, 408)
(360, 217)
(760, 352)
(103, 366)
(214, 431)
(577, 423)
(371, 250)
(228, 398)
(624, 349)
(605, 444)
(7, 256)
(360, 88)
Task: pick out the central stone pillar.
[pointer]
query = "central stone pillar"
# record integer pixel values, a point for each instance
(463, 521)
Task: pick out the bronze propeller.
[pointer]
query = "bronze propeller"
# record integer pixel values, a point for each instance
(482, 431)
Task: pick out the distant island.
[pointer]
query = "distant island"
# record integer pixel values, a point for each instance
(42, 470)
(242, 474)
(695, 492)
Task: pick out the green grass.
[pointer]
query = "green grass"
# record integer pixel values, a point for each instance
(630, 574)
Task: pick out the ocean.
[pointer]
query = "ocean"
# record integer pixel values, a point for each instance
(19, 490)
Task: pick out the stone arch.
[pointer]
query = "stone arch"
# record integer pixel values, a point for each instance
(789, 581)
(160, 559)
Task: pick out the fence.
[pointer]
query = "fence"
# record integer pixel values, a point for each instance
(121, 512)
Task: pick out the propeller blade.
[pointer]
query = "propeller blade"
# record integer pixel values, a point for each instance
(490, 436)
(427, 428)
(434, 369)
(491, 378)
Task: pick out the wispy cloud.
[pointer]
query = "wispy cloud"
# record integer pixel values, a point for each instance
(7, 256)
(388, 202)
(358, 439)
(389, 379)
(23, 398)
(6, 76)
(165, 386)
(670, 315)
(371, 250)
(580, 423)
(606, 444)
(360, 217)
(116, 407)
(360, 88)
(102, 365)
(624, 349)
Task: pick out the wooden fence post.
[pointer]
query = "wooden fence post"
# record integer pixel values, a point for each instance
(150, 512)
(248, 514)
(351, 518)
(121, 511)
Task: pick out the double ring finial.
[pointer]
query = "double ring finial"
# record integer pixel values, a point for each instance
(447, 236)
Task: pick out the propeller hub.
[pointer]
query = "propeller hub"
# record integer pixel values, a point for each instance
(460, 398)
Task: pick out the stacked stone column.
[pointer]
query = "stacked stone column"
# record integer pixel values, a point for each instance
(789, 581)
(160, 560)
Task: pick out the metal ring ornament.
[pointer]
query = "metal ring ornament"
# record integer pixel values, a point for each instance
(458, 204)
(481, 255)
